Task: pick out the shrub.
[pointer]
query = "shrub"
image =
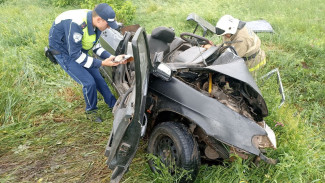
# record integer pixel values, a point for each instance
(61, 3)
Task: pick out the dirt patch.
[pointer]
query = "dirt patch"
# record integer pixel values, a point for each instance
(304, 65)
(16, 169)
(63, 164)
(69, 94)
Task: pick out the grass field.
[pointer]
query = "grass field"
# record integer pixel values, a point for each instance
(45, 137)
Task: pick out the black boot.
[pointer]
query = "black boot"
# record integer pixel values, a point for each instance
(93, 116)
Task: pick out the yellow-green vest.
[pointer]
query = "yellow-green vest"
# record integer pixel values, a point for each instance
(88, 41)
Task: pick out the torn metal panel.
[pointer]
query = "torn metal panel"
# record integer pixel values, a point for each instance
(256, 25)
(260, 26)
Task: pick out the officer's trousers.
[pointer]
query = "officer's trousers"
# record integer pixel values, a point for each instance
(91, 81)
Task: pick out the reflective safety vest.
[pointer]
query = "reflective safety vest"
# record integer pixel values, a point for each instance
(88, 41)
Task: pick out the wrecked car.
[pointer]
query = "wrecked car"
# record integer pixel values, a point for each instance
(193, 104)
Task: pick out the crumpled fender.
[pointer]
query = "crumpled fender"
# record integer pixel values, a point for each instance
(235, 67)
(213, 117)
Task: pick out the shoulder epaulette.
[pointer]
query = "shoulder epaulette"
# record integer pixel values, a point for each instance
(83, 25)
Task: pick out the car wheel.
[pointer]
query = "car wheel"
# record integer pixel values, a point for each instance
(175, 146)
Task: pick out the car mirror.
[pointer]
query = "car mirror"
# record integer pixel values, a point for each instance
(163, 72)
(160, 69)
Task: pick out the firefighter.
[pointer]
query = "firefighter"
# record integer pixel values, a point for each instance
(71, 36)
(246, 43)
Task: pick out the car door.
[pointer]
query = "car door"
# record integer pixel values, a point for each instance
(129, 117)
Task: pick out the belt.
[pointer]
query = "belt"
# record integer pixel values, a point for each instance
(251, 57)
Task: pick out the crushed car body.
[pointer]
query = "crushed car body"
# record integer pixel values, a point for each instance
(192, 103)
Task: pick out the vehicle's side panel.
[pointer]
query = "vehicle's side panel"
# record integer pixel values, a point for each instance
(212, 116)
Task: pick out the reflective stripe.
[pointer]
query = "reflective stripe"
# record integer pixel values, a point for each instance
(258, 65)
(100, 51)
(89, 62)
(69, 38)
(81, 58)
(97, 46)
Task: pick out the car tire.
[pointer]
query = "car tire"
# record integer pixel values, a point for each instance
(172, 142)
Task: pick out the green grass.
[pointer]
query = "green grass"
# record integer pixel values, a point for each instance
(45, 137)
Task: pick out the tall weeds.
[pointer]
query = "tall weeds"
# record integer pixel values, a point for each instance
(40, 105)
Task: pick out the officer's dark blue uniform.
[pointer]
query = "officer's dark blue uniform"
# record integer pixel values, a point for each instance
(72, 35)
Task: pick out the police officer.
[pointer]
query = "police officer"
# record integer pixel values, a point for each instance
(71, 36)
(246, 43)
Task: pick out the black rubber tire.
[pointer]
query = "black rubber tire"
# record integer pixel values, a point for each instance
(179, 143)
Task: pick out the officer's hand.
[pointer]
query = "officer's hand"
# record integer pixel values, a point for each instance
(207, 46)
(109, 61)
(123, 59)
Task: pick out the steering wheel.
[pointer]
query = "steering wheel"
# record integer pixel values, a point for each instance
(194, 39)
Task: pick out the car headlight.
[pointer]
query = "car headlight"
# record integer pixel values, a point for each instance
(265, 141)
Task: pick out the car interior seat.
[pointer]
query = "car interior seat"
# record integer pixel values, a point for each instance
(159, 40)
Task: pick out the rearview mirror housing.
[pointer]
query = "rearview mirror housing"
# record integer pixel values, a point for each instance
(163, 71)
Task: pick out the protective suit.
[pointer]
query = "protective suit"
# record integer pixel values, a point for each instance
(246, 43)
